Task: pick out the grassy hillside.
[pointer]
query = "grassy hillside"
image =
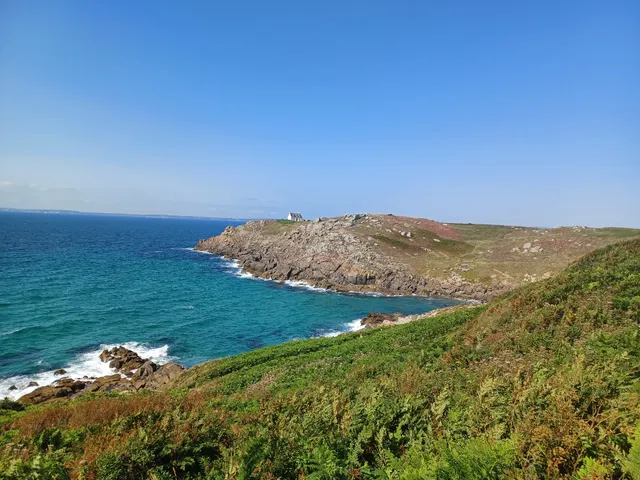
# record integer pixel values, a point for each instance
(486, 254)
(540, 383)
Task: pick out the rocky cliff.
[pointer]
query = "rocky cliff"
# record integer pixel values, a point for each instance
(329, 254)
(402, 256)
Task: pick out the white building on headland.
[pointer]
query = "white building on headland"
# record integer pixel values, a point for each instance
(295, 217)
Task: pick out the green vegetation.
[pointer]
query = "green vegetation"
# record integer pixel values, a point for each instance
(446, 245)
(615, 232)
(479, 232)
(395, 242)
(276, 227)
(430, 240)
(11, 405)
(492, 255)
(541, 383)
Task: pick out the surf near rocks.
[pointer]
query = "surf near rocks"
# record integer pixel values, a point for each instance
(132, 373)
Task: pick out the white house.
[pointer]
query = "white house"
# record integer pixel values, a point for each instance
(295, 217)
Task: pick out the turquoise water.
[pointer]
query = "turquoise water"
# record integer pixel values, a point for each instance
(71, 284)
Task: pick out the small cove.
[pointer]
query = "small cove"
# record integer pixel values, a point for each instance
(71, 284)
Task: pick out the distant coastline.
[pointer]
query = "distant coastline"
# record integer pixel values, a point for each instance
(54, 211)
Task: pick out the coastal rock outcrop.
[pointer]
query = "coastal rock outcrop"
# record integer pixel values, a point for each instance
(375, 319)
(398, 255)
(342, 254)
(122, 359)
(65, 387)
(132, 373)
(160, 377)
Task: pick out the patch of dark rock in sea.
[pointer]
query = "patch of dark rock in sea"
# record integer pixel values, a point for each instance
(254, 343)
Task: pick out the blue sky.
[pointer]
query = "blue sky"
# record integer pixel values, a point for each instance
(493, 112)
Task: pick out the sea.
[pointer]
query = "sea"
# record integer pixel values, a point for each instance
(74, 284)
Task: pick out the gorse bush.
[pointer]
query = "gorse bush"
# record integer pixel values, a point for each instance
(541, 383)
(8, 404)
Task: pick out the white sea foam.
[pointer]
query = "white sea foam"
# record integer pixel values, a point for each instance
(84, 365)
(2, 334)
(378, 294)
(192, 249)
(353, 326)
(301, 284)
(369, 294)
(331, 334)
(238, 272)
(242, 274)
(234, 266)
(231, 265)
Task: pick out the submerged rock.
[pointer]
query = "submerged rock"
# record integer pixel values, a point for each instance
(60, 371)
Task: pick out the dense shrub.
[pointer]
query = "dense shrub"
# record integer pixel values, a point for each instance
(8, 404)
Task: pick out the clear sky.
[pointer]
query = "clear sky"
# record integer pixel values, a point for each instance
(472, 111)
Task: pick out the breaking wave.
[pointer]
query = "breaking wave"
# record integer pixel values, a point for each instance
(353, 326)
(86, 365)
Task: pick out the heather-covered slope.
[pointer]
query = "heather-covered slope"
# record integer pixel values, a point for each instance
(541, 383)
(403, 255)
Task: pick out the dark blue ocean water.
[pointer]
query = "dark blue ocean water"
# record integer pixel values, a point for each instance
(71, 284)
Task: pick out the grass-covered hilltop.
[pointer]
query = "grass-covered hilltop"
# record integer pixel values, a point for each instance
(540, 383)
(404, 255)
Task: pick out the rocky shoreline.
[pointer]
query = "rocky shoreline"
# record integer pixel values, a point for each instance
(377, 319)
(132, 373)
(326, 254)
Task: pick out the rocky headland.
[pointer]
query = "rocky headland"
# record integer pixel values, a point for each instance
(396, 255)
(132, 373)
(329, 253)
